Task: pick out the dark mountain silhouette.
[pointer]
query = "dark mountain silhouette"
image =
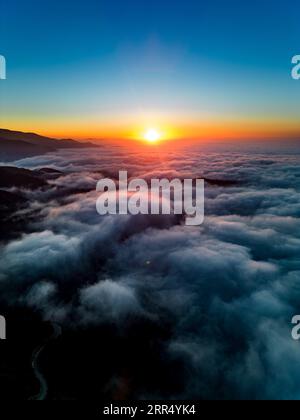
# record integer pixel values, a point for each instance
(17, 177)
(17, 145)
(14, 182)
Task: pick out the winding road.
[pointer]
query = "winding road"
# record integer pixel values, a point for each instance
(41, 396)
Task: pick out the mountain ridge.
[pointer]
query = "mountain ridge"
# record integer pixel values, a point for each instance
(18, 145)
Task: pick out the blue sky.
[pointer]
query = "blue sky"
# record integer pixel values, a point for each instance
(115, 60)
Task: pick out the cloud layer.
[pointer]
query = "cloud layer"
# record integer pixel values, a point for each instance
(226, 291)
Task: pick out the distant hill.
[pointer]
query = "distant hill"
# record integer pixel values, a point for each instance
(17, 177)
(17, 145)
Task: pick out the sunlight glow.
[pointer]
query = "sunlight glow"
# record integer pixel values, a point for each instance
(152, 136)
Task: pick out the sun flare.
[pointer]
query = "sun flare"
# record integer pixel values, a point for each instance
(152, 136)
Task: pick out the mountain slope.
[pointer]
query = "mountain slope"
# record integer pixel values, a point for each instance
(17, 145)
(17, 177)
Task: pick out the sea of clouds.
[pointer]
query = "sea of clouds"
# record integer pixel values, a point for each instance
(226, 290)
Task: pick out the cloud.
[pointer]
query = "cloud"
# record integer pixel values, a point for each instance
(108, 301)
(225, 291)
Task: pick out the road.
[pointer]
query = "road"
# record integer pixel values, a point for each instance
(41, 396)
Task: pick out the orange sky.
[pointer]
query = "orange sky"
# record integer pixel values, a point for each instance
(205, 129)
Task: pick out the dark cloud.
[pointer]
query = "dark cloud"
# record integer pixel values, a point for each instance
(226, 291)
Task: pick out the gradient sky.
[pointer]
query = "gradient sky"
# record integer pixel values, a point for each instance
(112, 68)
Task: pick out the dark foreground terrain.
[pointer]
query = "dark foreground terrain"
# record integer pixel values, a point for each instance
(145, 307)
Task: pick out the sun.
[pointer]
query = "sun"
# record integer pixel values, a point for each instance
(152, 136)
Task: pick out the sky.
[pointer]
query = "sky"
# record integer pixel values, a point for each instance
(114, 68)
